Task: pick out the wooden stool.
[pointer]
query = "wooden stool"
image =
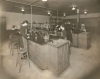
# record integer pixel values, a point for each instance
(12, 46)
(13, 42)
(22, 54)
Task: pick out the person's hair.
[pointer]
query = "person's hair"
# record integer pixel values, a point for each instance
(34, 23)
(13, 26)
(25, 22)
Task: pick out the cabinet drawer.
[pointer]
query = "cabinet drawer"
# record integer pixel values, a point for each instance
(66, 59)
(75, 42)
(60, 62)
(38, 62)
(82, 40)
(38, 56)
(75, 37)
(32, 49)
(82, 36)
(89, 39)
(62, 50)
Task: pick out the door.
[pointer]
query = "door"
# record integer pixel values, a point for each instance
(0, 32)
(3, 32)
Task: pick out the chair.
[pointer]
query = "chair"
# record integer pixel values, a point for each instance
(22, 54)
(13, 43)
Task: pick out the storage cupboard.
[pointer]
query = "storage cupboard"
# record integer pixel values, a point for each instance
(58, 56)
(84, 40)
(54, 56)
(36, 53)
(75, 40)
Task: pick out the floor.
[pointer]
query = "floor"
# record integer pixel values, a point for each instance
(84, 64)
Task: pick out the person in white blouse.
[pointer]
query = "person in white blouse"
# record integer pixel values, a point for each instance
(83, 28)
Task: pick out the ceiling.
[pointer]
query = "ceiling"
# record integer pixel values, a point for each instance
(40, 8)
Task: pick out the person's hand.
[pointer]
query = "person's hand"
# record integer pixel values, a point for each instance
(71, 32)
(84, 30)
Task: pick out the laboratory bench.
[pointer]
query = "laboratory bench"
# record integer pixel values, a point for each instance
(52, 55)
(82, 40)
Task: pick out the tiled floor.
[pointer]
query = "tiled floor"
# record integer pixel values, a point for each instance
(84, 64)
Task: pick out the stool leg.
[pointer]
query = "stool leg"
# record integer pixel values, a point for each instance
(10, 48)
(12, 51)
(28, 60)
(70, 50)
(17, 48)
(20, 64)
(9, 45)
(17, 61)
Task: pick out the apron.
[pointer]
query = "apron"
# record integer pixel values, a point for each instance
(68, 30)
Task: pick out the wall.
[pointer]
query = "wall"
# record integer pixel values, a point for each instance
(4, 33)
(11, 19)
(91, 15)
(17, 18)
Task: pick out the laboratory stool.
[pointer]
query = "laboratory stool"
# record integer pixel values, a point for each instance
(22, 55)
(13, 46)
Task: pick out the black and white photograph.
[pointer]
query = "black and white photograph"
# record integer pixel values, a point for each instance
(49, 39)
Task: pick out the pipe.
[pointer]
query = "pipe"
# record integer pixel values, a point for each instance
(33, 2)
(31, 16)
(57, 16)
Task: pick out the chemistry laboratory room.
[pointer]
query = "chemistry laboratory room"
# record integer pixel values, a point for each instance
(49, 39)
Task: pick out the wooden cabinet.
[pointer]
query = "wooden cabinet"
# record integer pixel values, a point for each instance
(84, 40)
(75, 40)
(54, 56)
(36, 53)
(58, 56)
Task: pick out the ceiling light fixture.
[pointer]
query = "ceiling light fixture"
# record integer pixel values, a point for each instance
(64, 14)
(22, 10)
(85, 12)
(44, 0)
(49, 12)
(73, 8)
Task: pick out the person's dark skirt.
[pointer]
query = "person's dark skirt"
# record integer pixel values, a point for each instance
(69, 35)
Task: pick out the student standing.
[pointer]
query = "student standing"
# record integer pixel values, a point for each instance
(68, 30)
